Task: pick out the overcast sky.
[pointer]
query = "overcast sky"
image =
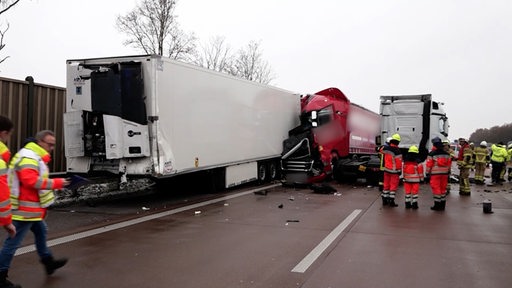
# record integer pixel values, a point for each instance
(460, 51)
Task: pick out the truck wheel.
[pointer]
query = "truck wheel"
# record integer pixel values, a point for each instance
(262, 172)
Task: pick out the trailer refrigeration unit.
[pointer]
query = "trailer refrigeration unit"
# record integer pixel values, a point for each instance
(335, 138)
(417, 118)
(154, 117)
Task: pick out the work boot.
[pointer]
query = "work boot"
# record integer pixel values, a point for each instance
(4, 283)
(442, 205)
(415, 205)
(51, 264)
(391, 203)
(436, 206)
(384, 201)
(408, 205)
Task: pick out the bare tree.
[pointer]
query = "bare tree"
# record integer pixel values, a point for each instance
(247, 63)
(215, 55)
(250, 65)
(7, 4)
(152, 27)
(2, 45)
(4, 6)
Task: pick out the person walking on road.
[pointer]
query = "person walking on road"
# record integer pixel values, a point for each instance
(6, 127)
(413, 175)
(438, 166)
(498, 157)
(464, 162)
(31, 195)
(392, 170)
(481, 159)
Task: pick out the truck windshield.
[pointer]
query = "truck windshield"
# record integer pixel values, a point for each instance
(322, 116)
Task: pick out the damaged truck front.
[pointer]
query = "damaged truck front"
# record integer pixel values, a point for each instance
(336, 139)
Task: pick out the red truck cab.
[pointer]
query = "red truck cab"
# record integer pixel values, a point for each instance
(333, 134)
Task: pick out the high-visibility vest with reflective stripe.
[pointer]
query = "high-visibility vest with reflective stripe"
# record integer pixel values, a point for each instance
(439, 163)
(5, 202)
(499, 153)
(413, 172)
(25, 206)
(392, 159)
(481, 155)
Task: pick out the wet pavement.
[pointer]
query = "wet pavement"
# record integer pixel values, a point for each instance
(258, 240)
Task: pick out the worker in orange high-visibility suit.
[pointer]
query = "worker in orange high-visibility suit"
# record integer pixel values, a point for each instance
(31, 195)
(381, 168)
(6, 127)
(413, 175)
(438, 167)
(392, 170)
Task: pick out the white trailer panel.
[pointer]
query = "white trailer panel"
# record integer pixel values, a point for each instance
(162, 117)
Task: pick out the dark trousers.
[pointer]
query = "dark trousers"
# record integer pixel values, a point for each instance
(496, 170)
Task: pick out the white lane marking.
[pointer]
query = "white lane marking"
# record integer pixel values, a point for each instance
(320, 248)
(81, 235)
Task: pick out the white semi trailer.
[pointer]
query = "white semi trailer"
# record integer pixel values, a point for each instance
(151, 116)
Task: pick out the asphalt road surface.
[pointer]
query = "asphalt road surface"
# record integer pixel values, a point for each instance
(286, 237)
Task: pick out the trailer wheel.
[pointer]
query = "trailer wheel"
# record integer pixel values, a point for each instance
(262, 172)
(273, 171)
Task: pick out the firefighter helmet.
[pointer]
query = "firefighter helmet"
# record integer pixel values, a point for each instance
(414, 149)
(462, 139)
(446, 141)
(388, 139)
(396, 137)
(483, 143)
(509, 146)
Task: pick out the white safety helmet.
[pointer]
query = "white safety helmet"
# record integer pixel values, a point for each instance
(388, 139)
(483, 143)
